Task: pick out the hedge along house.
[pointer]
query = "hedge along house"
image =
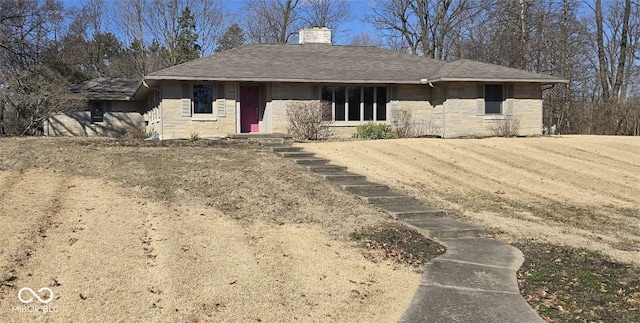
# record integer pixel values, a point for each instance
(115, 106)
(248, 89)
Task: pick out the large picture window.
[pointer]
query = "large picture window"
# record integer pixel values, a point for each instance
(356, 103)
(493, 98)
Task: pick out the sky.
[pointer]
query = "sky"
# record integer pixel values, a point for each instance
(356, 25)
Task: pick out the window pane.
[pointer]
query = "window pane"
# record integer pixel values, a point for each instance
(327, 94)
(493, 92)
(202, 99)
(97, 112)
(493, 97)
(340, 96)
(354, 103)
(368, 103)
(326, 100)
(492, 107)
(381, 103)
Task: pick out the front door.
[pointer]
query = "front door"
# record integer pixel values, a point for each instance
(249, 106)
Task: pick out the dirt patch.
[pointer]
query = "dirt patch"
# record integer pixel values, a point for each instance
(184, 233)
(579, 191)
(398, 243)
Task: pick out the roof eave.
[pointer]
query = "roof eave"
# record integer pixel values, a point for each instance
(267, 79)
(497, 80)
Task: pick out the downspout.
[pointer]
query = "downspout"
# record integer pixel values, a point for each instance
(160, 103)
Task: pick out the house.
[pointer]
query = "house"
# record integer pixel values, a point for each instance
(248, 89)
(115, 106)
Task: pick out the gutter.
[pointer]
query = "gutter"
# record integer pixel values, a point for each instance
(497, 80)
(282, 80)
(161, 108)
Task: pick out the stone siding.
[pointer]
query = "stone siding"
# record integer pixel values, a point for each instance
(448, 109)
(463, 118)
(176, 126)
(123, 117)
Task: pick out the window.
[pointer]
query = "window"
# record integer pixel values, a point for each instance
(97, 112)
(327, 98)
(493, 98)
(381, 103)
(202, 99)
(368, 103)
(339, 103)
(356, 103)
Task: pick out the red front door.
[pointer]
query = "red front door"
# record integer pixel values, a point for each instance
(249, 106)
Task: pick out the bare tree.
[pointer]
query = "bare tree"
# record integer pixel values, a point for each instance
(365, 39)
(426, 27)
(131, 25)
(271, 21)
(33, 95)
(325, 13)
(162, 16)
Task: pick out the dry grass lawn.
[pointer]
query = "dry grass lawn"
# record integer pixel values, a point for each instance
(178, 233)
(578, 191)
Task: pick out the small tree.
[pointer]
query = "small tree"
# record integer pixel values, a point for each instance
(309, 120)
(186, 47)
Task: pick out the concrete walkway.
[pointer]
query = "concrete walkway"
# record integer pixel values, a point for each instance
(475, 281)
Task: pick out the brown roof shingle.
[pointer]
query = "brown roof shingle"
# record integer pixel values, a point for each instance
(305, 63)
(468, 70)
(108, 89)
(323, 63)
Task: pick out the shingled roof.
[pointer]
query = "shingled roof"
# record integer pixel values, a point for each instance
(468, 70)
(324, 63)
(108, 89)
(318, 63)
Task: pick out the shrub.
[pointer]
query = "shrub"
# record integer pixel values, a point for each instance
(507, 127)
(403, 122)
(309, 120)
(371, 130)
(195, 136)
(137, 134)
(427, 128)
(407, 126)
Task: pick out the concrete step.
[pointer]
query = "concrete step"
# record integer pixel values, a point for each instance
(325, 168)
(266, 141)
(443, 228)
(294, 154)
(309, 160)
(384, 197)
(280, 148)
(411, 211)
(361, 186)
(341, 176)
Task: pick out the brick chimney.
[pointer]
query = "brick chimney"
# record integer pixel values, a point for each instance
(315, 35)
